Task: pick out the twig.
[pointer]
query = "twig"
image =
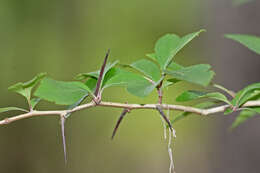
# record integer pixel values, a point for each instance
(198, 111)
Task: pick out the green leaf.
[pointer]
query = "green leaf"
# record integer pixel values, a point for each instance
(141, 88)
(251, 92)
(174, 66)
(244, 115)
(250, 41)
(148, 68)
(63, 93)
(246, 94)
(95, 74)
(231, 93)
(25, 88)
(91, 84)
(76, 104)
(169, 45)
(109, 75)
(185, 114)
(136, 84)
(250, 96)
(191, 95)
(151, 56)
(169, 82)
(12, 109)
(197, 74)
(34, 102)
(109, 72)
(165, 48)
(217, 96)
(173, 81)
(254, 109)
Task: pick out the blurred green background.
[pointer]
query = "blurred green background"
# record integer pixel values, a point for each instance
(65, 38)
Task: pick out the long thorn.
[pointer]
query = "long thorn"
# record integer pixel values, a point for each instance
(63, 138)
(164, 117)
(125, 111)
(101, 73)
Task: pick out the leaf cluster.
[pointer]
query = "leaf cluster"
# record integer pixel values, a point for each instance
(156, 71)
(140, 78)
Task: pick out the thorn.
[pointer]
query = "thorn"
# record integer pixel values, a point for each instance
(63, 138)
(164, 117)
(101, 73)
(125, 111)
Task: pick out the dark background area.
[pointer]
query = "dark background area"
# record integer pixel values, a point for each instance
(65, 38)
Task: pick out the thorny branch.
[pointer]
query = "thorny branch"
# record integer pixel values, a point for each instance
(198, 111)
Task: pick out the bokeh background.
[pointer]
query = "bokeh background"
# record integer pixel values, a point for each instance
(66, 37)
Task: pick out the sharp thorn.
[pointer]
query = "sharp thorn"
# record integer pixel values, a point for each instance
(164, 117)
(101, 74)
(125, 111)
(63, 138)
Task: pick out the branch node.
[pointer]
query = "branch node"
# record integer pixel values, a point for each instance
(97, 100)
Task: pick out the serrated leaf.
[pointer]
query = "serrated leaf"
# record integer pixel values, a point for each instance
(197, 74)
(2, 110)
(250, 41)
(244, 115)
(148, 68)
(191, 95)
(25, 88)
(169, 45)
(60, 92)
(182, 115)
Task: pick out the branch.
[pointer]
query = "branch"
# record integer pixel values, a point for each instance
(198, 111)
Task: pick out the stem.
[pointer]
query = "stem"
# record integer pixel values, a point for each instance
(160, 92)
(198, 111)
